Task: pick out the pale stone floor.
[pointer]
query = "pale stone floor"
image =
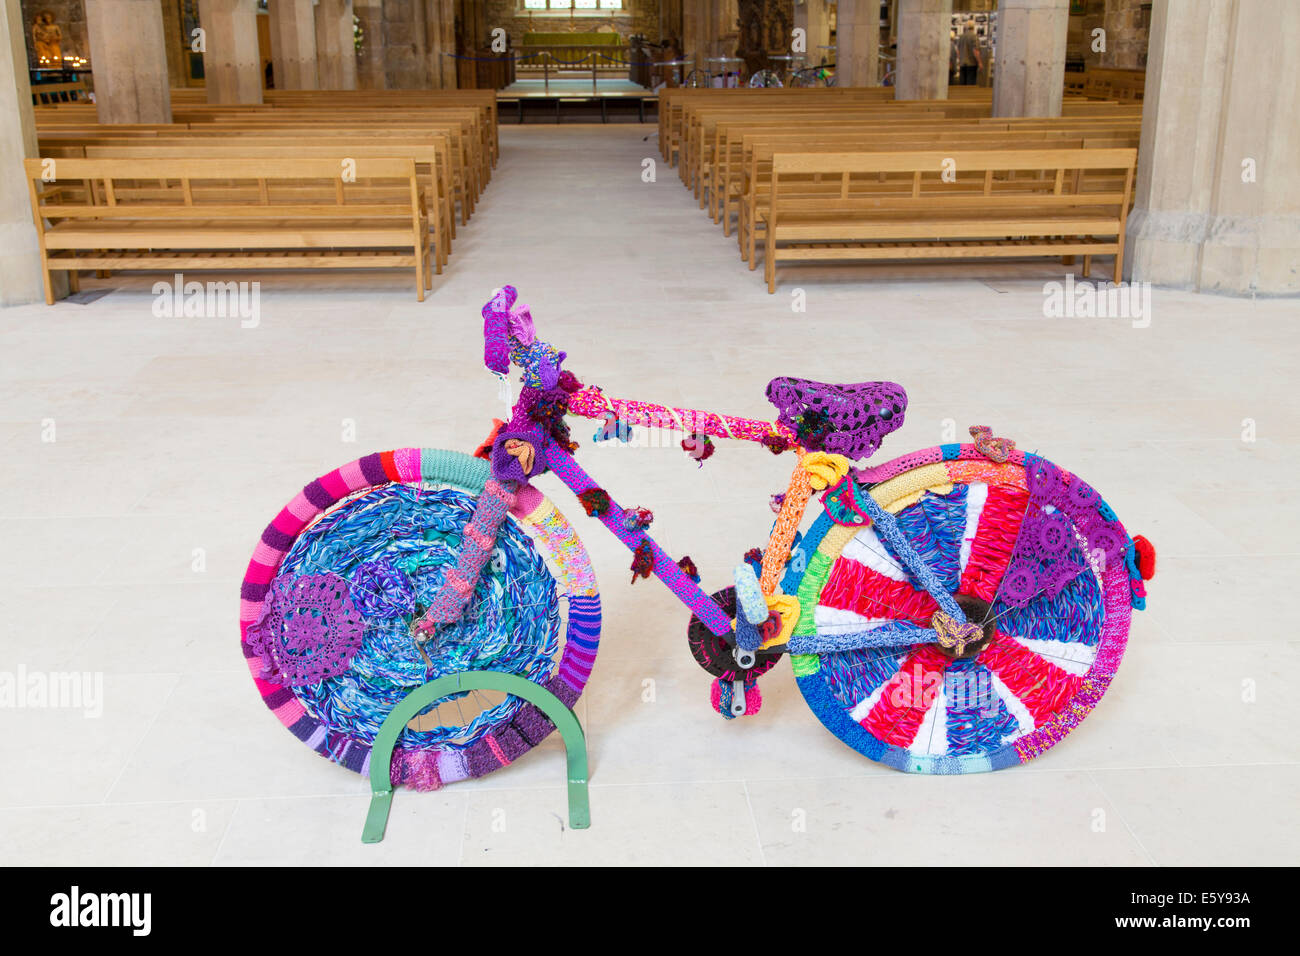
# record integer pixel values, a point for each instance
(176, 440)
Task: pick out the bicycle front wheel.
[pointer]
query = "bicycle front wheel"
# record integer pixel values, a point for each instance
(1059, 626)
(346, 567)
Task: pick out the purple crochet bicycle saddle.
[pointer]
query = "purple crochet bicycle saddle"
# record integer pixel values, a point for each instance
(848, 420)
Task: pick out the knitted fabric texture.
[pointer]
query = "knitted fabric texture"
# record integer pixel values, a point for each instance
(475, 549)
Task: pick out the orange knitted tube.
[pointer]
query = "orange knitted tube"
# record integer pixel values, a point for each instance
(787, 523)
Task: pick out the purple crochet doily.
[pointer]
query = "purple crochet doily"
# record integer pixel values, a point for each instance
(860, 416)
(1064, 515)
(309, 630)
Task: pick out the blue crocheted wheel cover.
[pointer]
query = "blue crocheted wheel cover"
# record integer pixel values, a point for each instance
(392, 545)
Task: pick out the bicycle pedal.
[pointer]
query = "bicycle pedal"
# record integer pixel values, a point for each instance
(734, 699)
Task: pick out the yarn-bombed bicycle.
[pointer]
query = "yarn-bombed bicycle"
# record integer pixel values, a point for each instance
(960, 608)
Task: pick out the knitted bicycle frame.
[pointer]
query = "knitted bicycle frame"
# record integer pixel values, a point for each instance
(958, 609)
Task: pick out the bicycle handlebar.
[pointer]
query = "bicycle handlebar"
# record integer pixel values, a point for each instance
(508, 336)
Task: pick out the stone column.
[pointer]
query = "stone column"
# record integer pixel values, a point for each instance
(128, 54)
(923, 47)
(20, 258)
(441, 29)
(698, 23)
(857, 43)
(1125, 24)
(1218, 209)
(232, 64)
(1029, 75)
(814, 18)
(336, 54)
(293, 45)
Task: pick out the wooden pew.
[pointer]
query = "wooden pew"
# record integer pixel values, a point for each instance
(753, 192)
(427, 164)
(458, 184)
(44, 94)
(485, 101)
(471, 167)
(197, 214)
(999, 217)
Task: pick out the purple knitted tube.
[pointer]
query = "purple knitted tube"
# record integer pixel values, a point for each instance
(496, 330)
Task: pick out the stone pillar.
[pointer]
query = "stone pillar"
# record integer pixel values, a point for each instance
(857, 44)
(1029, 75)
(698, 25)
(176, 72)
(232, 64)
(293, 45)
(129, 57)
(370, 61)
(1125, 23)
(441, 29)
(20, 258)
(724, 30)
(336, 55)
(923, 46)
(814, 18)
(1218, 209)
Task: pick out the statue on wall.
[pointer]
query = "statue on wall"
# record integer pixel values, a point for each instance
(47, 38)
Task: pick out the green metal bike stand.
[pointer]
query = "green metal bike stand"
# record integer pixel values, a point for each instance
(381, 755)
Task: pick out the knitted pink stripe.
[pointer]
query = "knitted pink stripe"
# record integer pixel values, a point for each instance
(496, 749)
(249, 611)
(590, 402)
(286, 522)
(352, 474)
(1119, 610)
(265, 554)
(255, 665)
(478, 537)
(334, 484)
(290, 713)
(301, 508)
(407, 462)
(259, 573)
(456, 581)
(527, 498)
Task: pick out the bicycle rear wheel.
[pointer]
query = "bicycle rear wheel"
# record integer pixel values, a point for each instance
(348, 565)
(1060, 633)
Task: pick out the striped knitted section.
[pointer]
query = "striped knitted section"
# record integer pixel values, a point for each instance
(581, 640)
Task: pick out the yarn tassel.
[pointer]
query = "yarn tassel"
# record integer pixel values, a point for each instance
(699, 446)
(643, 561)
(595, 501)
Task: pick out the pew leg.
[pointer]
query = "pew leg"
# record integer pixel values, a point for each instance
(769, 260)
(1087, 265)
(74, 281)
(47, 277)
(419, 272)
(1067, 260)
